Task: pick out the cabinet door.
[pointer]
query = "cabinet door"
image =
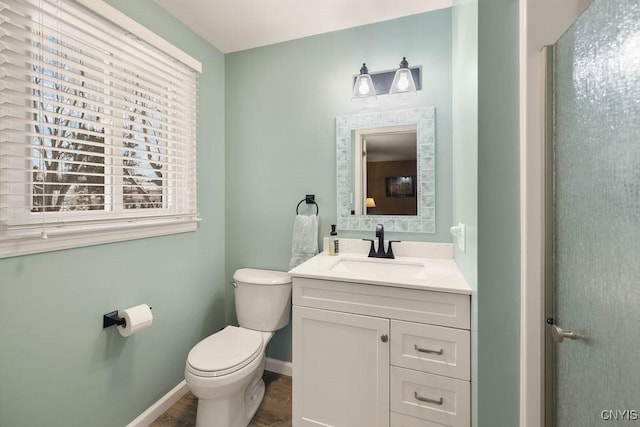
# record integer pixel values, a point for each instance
(340, 369)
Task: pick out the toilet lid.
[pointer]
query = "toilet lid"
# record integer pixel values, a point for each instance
(225, 352)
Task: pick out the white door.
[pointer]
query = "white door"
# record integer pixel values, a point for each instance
(595, 318)
(340, 369)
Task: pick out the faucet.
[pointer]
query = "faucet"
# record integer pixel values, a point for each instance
(381, 253)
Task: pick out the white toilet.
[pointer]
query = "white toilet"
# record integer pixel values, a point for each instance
(224, 371)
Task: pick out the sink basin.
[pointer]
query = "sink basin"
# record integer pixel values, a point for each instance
(381, 268)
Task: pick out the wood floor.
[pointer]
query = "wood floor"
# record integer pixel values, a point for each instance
(275, 410)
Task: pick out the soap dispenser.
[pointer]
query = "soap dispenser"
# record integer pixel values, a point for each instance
(334, 243)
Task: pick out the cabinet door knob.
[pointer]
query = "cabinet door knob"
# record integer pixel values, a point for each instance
(384, 338)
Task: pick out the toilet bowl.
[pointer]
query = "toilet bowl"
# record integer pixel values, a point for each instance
(224, 371)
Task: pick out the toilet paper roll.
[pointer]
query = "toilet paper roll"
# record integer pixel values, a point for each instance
(137, 318)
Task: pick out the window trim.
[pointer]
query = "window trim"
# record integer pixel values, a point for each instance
(59, 238)
(112, 14)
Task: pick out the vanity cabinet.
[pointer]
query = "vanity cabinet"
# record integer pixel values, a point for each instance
(371, 355)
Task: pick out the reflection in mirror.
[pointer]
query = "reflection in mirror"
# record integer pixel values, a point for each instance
(386, 170)
(386, 167)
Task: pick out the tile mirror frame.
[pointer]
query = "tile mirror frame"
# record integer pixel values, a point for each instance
(424, 221)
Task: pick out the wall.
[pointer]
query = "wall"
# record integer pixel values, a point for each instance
(59, 367)
(465, 166)
(486, 198)
(498, 215)
(281, 103)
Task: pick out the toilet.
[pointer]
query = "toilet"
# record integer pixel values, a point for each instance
(224, 371)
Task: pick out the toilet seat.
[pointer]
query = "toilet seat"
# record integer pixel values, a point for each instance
(225, 352)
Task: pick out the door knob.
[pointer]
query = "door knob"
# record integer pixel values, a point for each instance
(384, 338)
(559, 335)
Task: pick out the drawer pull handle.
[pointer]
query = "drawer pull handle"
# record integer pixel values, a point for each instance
(426, 399)
(426, 350)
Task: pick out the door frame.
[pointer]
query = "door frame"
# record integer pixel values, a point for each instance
(541, 24)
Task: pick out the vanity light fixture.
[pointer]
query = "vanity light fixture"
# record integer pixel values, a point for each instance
(363, 89)
(399, 84)
(403, 85)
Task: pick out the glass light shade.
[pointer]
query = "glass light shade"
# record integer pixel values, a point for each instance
(403, 85)
(363, 90)
(370, 202)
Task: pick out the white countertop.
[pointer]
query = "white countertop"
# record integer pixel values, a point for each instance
(439, 274)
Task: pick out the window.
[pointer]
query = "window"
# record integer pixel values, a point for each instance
(98, 128)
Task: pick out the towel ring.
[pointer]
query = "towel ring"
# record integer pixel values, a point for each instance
(309, 199)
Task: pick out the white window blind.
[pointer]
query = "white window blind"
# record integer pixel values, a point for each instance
(98, 129)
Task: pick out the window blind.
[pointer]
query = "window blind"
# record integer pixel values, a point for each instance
(98, 126)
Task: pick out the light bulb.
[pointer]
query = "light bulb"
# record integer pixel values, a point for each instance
(403, 83)
(364, 88)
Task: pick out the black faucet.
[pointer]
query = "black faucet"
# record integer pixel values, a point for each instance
(381, 252)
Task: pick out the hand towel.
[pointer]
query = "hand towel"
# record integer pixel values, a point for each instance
(304, 244)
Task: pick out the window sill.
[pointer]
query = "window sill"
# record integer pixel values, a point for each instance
(16, 243)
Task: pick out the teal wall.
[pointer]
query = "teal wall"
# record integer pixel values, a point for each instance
(58, 366)
(498, 309)
(465, 164)
(486, 198)
(281, 104)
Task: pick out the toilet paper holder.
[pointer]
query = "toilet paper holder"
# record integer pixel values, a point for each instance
(112, 318)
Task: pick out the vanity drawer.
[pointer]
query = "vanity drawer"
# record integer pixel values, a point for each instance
(441, 400)
(434, 349)
(402, 420)
(414, 305)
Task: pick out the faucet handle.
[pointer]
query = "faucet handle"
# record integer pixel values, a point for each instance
(372, 250)
(390, 251)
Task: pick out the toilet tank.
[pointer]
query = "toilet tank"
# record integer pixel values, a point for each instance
(263, 299)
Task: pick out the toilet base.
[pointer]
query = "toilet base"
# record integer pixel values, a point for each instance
(234, 411)
(254, 399)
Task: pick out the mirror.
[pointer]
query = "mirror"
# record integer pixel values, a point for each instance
(385, 165)
(386, 159)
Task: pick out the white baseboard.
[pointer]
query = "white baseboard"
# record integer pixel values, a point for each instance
(161, 406)
(279, 366)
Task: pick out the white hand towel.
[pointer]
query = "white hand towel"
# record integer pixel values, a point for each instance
(304, 244)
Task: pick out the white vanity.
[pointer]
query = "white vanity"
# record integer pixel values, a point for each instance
(381, 342)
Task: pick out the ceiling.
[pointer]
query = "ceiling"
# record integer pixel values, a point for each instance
(234, 25)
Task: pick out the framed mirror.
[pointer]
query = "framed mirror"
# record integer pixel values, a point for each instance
(385, 164)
